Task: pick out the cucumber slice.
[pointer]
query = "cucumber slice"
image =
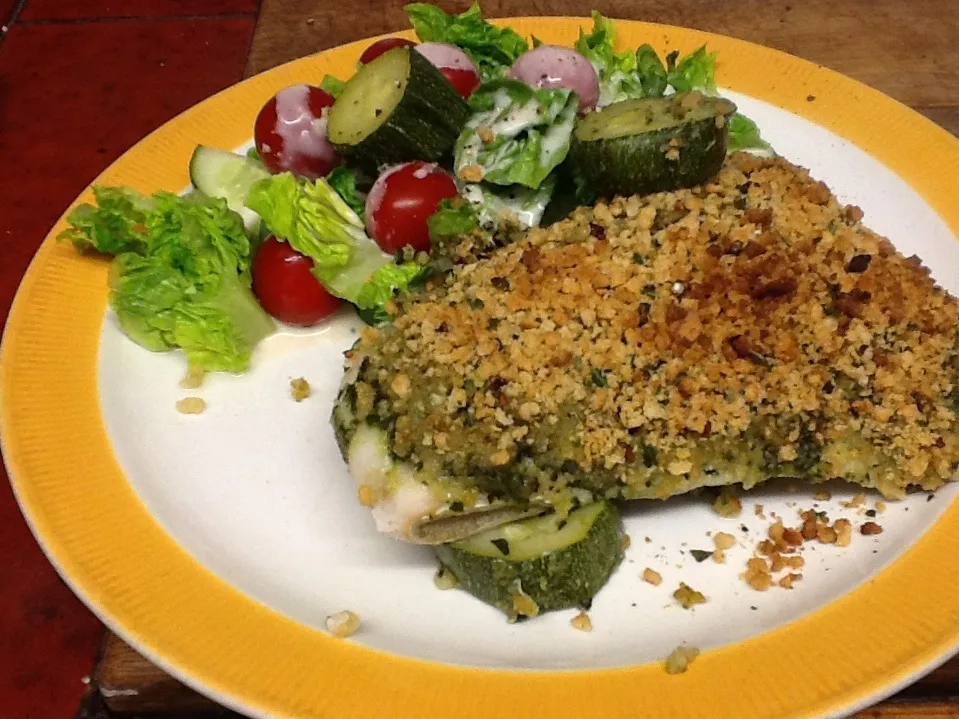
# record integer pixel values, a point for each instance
(394, 109)
(218, 173)
(540, 564)
(652, 145)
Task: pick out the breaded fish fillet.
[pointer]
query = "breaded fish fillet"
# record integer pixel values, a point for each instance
(747, 329)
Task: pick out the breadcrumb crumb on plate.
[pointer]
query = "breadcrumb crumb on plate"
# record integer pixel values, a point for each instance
(680, 658)
(191, 405)
(342, 624)
(300, 389)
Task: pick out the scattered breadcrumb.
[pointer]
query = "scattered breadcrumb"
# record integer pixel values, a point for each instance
(680, 658)
(193, 379)
(445, 579)
(870, 528)
(787, 581)
(627, 541)
(724, 540)
(688, 597)
(342, 624)
(582, 622)
(855, 501)
(757, 574)
(823, 495)
(843, 529)
(191, 405)
(523, 604)
(880, 506)
(471, 173)
(758, 511)
(653, 577)
(727, 503)
(300, 389)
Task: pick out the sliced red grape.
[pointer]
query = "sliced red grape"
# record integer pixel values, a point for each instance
(455, 65)
(550, 66)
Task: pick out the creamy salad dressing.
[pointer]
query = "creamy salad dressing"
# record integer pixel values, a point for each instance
(302, 133)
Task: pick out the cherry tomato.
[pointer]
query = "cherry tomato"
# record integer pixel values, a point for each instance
(290, 132)
(381, 46)
(402, 200)
(285, 286)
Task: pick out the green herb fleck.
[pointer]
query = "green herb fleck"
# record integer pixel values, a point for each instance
(598, 378)
(700, 555)
(650, 455)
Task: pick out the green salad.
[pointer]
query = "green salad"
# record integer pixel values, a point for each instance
(353, 187)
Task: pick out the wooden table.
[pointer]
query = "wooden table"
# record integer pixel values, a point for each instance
(909, 49)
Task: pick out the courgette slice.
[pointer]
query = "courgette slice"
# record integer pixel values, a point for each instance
(394, 109)
(539, 564)
(219, 173)
(652, 144)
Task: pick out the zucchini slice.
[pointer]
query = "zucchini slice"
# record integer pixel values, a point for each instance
(652, 145)
(539, 564)
(394, 109)
(218, 173)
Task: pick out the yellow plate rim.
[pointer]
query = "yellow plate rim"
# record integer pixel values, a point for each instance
(114, 555)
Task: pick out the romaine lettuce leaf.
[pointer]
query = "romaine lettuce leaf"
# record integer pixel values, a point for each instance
(695, 71)
(618, 75)
(453, 218)
(343, 180)
(113, 225)
(524, 205)
(744, 135)
(181, 277)
(516, 135)
(332, 85)
(493, 49)
(317, 222)
(651, 71)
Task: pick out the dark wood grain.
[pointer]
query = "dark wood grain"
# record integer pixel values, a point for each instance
(907, 49)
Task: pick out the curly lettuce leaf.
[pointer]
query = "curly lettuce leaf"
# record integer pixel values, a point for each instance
(492, 48)
(618, 74)
(114, 224)
(744, 135)
(316, 221)
(343, 180)
(516, 135)
(695, 71)
(181, 275)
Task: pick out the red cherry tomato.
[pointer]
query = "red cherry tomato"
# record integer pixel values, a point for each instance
(381, 46)
(402, 200)
(465, 81)
(285, 286)
(290, 132)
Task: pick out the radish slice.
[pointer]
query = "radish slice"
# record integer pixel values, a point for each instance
(446, 56)
(549, 66)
